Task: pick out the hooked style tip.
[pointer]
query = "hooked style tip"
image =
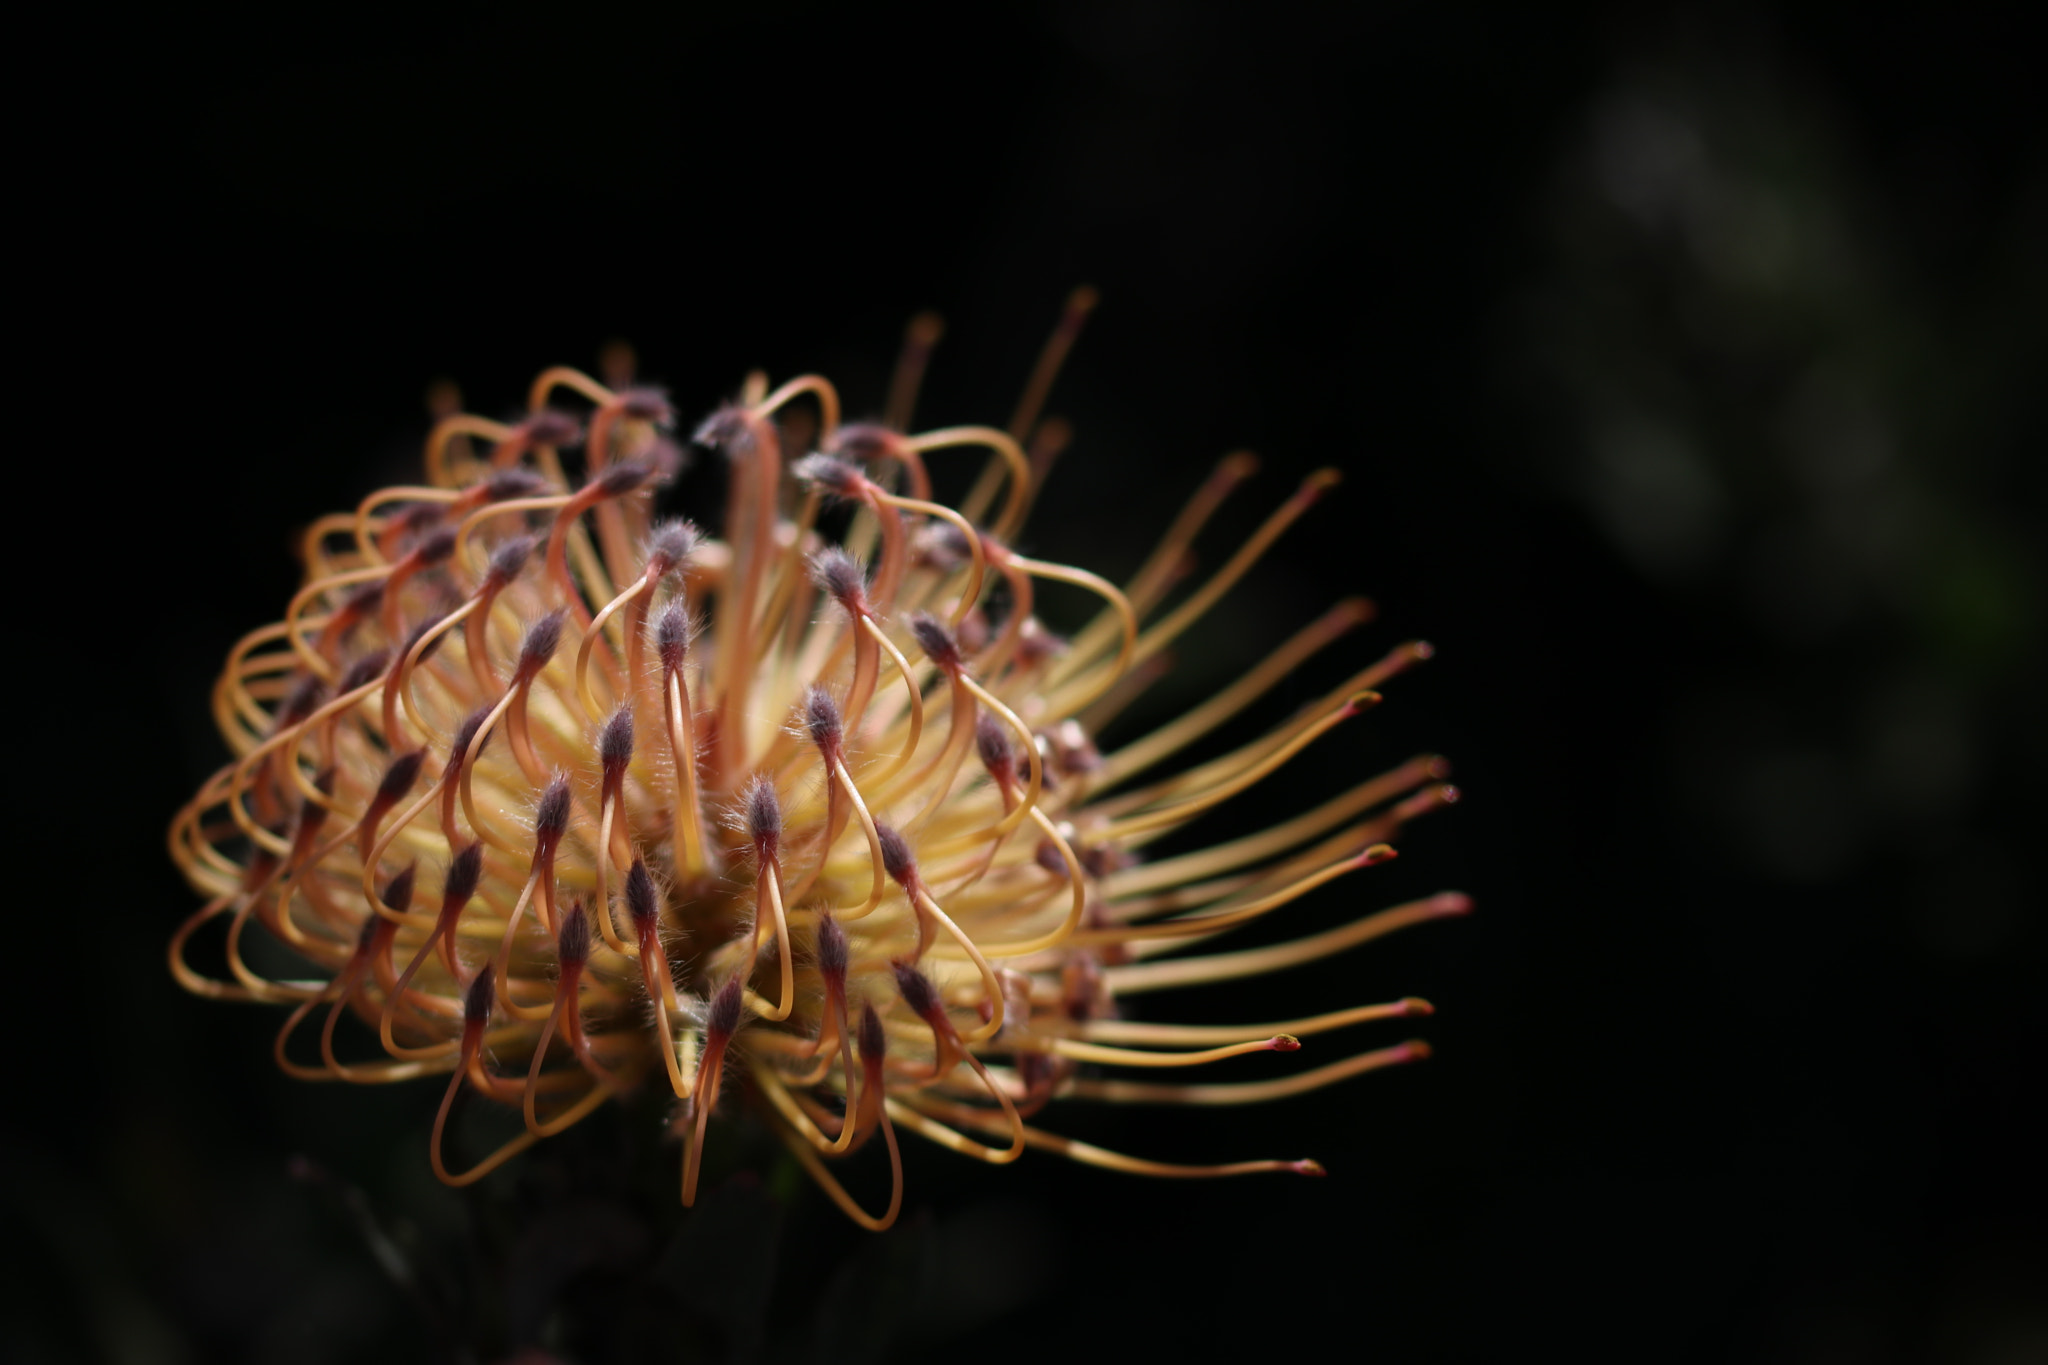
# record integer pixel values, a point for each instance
(304, 700)
(764, 817)
(505, 484)
(364, 671)
(822, 719)
(435, 547)
(1360, 701)
(465, 734)
(672, 634)
(647, 403)
(1378, 853)
(874, 1041)
(572, 946)
(419, 633)
(1416, 1050)
(833, 952)
(399, 777)
(397, 893)
(724, 430)
(549, 427)
(897, 859)
(1320, 482)
(1284, 1042)
(1306, 1166)
(481, 999)
(1415, 1006)
(936, 641)
(464, 872)
(509, 560)
(724, 1017)
(992, 743)
(551, 816)
(671, 544)
(839, 574)
(542, 639)
(615, 743)
(620, 479)
(641, 899)
(830, 475)
(916, 989)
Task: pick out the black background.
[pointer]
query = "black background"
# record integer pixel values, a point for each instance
(1735, 1060)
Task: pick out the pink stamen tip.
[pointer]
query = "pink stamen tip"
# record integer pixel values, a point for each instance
(1307, 1167)
(1451, 903)
(1414, 1005)
(1378, 853)
(1285, 1042)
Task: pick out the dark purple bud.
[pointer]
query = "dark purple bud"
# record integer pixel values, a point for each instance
(671, 544)
(992, 743)
(874, 1040)
(436, 547)
(507, 484)
(508, 561)
(364, 600)
(764, 817)
(647, 404)
(897, 859)
(724, 430)
(1036, 644)
(543, 638)
(551, 428)
(916, 989)
(620, 479)
(303, 700)
(865, 441)
(839, 574)
(724, 1017)
(364, 671)
(936, 641)
(463, 875)
(641, 900)
(399, 777)
(418, 516)
(572, 948)
(551, 816)
(466, 734)
(672, 634)
(397, 893)
(666, 457)
(822, 719)
(419, 632)
(481, 999)
(944, 546)
(834, 477)
(833, 955)
(615, 744)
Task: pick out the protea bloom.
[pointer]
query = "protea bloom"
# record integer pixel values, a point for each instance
(563, 800)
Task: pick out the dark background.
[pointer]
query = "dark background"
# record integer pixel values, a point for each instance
(1684, 367)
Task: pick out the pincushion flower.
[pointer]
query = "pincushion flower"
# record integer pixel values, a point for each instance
(559, 799)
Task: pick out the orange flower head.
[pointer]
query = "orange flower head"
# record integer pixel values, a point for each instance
(561, 800)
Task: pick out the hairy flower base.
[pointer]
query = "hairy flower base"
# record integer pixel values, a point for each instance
(560, 801)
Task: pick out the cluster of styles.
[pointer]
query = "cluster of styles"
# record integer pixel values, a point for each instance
(562, 800)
